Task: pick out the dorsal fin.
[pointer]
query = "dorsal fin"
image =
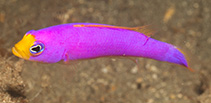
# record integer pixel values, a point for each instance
(146, 30)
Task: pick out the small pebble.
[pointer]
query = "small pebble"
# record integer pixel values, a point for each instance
(91, 81)
(102, 99)
(113, 88)
(157, 95)
(154, 68)
(134, 86)
(196, 5)
(105, 70)
(209, 40)
(95, 87)
(152, 90)
(2, 17)
(179, 95)
(131, 3)
(102, 81)
(154, 76)
(139, 80)
(191, 32)
(189, 12)
(134, 70)
(113, 60)
(90, 10)
(84, 75)
(187, 44)
(163, 84)
(81, 1)
(147, 66)
(184, 3)
(150, 101)
(45, 81)
(172, 96)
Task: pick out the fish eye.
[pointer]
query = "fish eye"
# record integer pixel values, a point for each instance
(37, 48)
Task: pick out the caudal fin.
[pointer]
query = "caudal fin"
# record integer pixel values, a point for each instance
(177, 56)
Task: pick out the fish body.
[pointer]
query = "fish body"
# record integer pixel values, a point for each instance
(77, 41)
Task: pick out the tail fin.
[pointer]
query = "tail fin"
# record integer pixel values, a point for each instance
(187, 59)
(176, 55)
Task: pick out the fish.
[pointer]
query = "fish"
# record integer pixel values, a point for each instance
(79, 41)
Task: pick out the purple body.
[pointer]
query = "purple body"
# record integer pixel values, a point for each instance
(66, 42)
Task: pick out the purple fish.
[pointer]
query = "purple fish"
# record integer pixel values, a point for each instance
(77, 41)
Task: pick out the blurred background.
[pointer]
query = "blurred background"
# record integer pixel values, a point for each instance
(184, 23)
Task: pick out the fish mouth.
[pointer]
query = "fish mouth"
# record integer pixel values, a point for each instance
(16, 53)
(19, 53)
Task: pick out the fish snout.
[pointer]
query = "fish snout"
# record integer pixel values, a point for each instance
(19, 53)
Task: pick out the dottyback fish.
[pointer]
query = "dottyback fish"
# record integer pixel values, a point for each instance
(76, 41)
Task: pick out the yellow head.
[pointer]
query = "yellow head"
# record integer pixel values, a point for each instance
(27, 47)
